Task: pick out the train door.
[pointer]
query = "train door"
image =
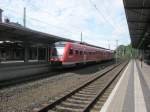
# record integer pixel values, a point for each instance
(84, 55)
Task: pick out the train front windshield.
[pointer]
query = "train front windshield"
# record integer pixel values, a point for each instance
(57, 52)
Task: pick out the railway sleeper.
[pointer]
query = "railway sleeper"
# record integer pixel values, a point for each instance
(77, 101)
(88, 93)
(60, 108)
(94, 86)
(90, 89)
(81, 98)
(85, 95)
(73, 105)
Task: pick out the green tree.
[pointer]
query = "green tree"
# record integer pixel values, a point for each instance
(126, 52)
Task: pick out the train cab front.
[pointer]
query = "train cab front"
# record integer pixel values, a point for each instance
(56, 55)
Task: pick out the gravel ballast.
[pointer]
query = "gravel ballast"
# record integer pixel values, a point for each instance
(25, 97)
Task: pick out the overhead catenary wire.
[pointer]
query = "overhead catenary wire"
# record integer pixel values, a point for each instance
(35, 19)
(48, 13)
(104, 18)
(40, 21)
(61, 28)
(115, 26)
(78, 29)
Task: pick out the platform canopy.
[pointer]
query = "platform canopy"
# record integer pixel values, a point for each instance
(138, 19)
(14, 32)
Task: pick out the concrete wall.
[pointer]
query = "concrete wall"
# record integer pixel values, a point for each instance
(12, 71)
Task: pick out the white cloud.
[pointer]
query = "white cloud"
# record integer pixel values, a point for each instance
(67, 18)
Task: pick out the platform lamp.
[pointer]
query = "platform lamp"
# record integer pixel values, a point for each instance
(81, 37)
(24, 17)
(116, 51)
(1, 11)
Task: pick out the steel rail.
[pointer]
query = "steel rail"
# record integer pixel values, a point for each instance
(47, 107)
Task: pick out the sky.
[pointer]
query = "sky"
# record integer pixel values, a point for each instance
(101, 22)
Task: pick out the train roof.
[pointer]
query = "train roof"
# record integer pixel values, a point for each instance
(82, 43)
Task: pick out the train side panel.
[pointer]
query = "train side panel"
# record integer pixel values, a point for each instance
(75, 53)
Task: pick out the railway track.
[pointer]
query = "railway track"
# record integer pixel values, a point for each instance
(84, 98)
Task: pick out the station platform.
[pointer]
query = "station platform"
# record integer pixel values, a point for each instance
(132, 92)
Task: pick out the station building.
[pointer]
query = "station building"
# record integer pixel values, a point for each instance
(20, 44)
(23, 51)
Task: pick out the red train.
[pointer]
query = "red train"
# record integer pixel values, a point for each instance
(69, 54)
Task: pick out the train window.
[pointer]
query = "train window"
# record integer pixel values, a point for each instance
(81, 52)
(76, 51)
(71, 52)
(57, 51)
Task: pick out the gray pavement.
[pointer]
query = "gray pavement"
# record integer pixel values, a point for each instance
(132, 92)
